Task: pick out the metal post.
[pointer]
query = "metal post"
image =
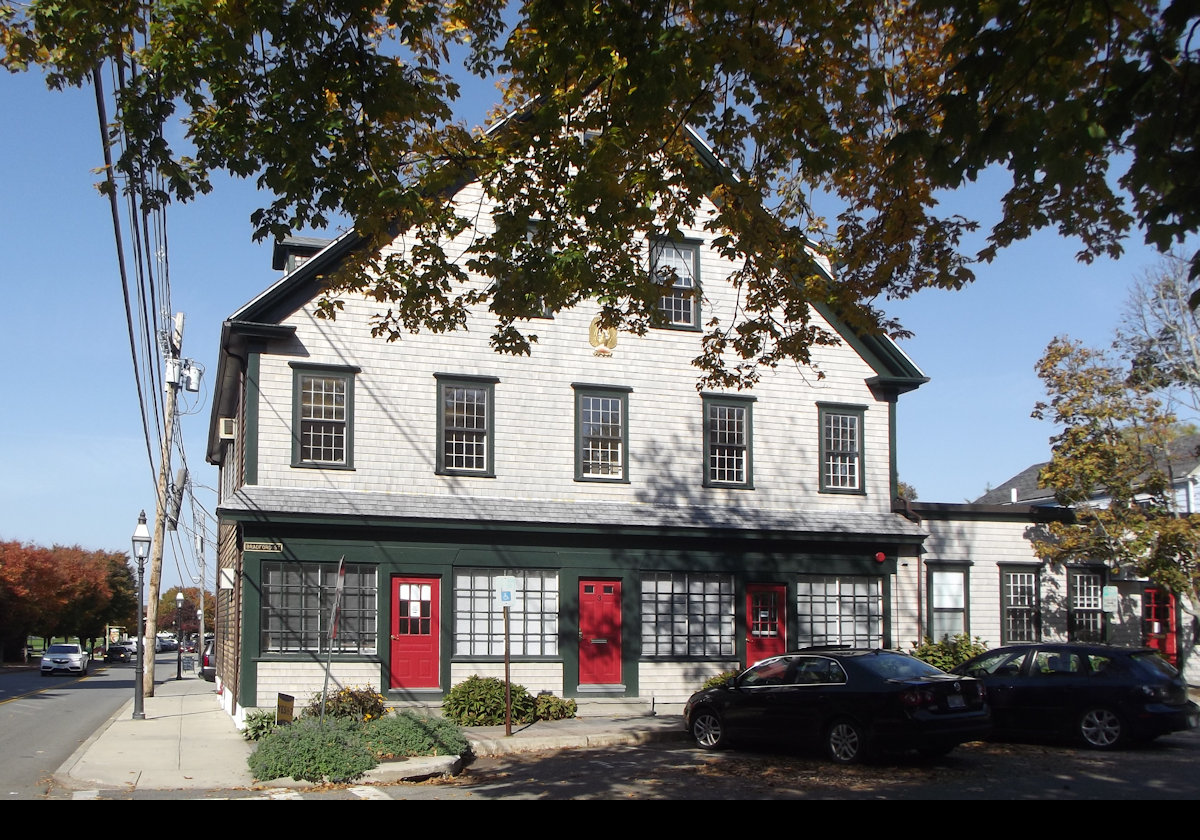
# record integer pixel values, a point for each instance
(179, 634)
(141, 549)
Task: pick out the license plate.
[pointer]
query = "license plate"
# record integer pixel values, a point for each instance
(955, 701)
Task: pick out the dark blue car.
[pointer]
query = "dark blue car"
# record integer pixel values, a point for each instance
(1100, 695)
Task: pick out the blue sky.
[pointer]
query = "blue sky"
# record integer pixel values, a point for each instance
(75, 469)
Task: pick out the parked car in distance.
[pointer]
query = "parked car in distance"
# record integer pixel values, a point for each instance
(850, 702)
(1101, 695)
(208, 669)
(65, 657)
(117, 653)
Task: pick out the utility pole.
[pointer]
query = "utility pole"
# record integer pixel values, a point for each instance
(172, 346)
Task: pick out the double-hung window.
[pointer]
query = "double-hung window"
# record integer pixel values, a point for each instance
(1085, 594)
(465, 419)
(841, 448)
(676, 267)
(297, 605)
(323, 416)
(601, 433)
(1019, 604)
(727, 439)
(947, 601)
(688, 615)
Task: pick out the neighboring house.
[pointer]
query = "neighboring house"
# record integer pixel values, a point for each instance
(656, 535)
(984, 578)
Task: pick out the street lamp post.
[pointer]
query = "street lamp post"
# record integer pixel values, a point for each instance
(179, 634)
(141, 550)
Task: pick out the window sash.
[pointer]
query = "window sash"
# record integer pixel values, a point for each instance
(841, 450)
(297, 604)
(688, 615)
(947, 603)
(727, 431)
(675, 266)
(324, 401)
(1019, 591)
(532, 619)
(466, 427)
(602, 436)
(1086, 597)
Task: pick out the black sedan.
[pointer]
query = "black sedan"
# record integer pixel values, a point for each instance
(117, 653)
(1100, 695)
(851, 702)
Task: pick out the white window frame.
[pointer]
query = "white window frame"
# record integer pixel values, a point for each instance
(676, 266)
(532, 618)
(839, 610)
(688, 615)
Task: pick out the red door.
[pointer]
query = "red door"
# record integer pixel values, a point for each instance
(599, 632)
(766, 621)
(415, 662)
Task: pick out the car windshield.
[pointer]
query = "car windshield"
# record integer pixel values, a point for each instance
(896, 666)
(63, 649)
(1155, 664)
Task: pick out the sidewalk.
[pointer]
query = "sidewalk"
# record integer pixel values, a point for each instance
(188, 741)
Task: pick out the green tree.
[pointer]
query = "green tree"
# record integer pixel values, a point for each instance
(1111, 463)
(838, 125)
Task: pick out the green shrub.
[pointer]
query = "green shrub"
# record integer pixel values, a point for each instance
(724, 676)
(259, 724)
(479, 701)
(550, 707)
(361, 703)
(312, 751)
(408, 734)
(950, 651)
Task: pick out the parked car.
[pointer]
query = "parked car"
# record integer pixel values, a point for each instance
(65, 657)
(850, 702)
(1100, 695)
(208, 665)
(117, 653)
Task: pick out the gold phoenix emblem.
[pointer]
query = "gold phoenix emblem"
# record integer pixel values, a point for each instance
(604, 339)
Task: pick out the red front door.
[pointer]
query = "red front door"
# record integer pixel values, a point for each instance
(766, 621)
(599, 632)
(415, 661)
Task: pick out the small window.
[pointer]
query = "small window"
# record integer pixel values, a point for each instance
(1085, 620)
(727, 438)
(602, 432)
(322, 416)
(676, 266)
(841, 449)
(465, 440)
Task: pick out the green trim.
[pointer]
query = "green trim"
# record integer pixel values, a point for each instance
(708, 402)
(859, 412)
(347, 374)
(619, 393)
(486, 384)
(1005, 570)
(253, 403)
(933, 567)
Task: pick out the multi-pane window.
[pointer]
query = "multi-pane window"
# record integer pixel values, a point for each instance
(414, 609)
(841, 449)
(532, 618)
(322, 416)
(688, 615)
(947, 602)
(675, 265)
(1019, 605)
(297, 608)
(465, 425)
(839, 610)
(1086, 614)
(601, 434)
(727, 442)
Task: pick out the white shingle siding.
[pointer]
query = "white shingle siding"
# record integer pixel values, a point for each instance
(670, 684)
(395, 410)
(536, 677)
(305, 680)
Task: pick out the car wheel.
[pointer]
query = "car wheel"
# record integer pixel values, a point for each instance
(846, 742)
(1101, 728)
(708, 730)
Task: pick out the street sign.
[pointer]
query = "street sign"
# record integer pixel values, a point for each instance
(506, 591)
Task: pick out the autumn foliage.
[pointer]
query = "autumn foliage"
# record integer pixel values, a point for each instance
(61, 591)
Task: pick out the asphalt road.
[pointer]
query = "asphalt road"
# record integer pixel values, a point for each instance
(43, 720)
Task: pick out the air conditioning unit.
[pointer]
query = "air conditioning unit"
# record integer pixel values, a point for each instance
(228, 428)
